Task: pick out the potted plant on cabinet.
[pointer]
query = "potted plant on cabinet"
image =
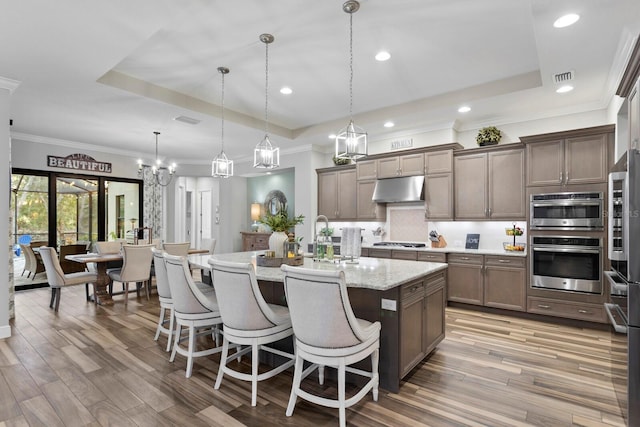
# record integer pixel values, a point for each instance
(489, 135)
(279, 223)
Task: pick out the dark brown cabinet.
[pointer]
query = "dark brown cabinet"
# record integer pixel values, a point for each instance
(421, 319)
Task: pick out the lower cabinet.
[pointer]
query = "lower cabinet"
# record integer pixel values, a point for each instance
(488, 280)
(422, 319)
(568, 309)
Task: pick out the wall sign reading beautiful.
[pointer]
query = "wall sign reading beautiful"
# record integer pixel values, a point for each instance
(78, 162)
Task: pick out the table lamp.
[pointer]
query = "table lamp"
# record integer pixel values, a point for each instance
(255, 215)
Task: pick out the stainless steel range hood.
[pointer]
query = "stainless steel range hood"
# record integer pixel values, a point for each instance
(403, 189)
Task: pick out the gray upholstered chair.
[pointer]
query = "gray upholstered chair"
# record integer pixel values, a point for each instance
(136, 267)
(58, 279)
(178, 249)
(196, 310)
(248, 321)
(327, 333)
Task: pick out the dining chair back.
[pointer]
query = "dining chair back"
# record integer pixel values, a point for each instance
(32, 263)
(179, 249)
(248, 320)
(327, 333)
(164, 295)
(58, 279)
(110, 247)
(193, 308)
(136, 267)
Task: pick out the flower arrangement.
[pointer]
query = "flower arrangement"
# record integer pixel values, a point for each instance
(339, 162)
(281, 221)
(488, 136)
(326, 232)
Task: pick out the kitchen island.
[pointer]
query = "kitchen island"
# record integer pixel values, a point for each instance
(408, 298)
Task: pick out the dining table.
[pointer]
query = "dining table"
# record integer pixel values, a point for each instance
(101, 292)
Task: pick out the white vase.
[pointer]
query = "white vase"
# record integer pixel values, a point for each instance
(276, 243)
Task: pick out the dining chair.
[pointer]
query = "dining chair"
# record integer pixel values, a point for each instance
(327, 333)
(72, 266)
(248, 321)
(136, 264)
(193, 309)
(32, 265)
(58, 279)
(178, 249)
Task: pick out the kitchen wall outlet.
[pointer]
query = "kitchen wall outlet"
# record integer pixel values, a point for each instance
(389, 304)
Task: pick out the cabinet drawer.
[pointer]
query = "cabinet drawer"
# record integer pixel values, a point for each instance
(412, 290)
(379, 253)
(572, 310)
(465, 259)
(432, 257)
(409, 255)
(506, 261)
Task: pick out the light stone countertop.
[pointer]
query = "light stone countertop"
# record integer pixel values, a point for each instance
(451, 249)
(371, 273)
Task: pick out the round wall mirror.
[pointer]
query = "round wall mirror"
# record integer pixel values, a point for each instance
(275, 202)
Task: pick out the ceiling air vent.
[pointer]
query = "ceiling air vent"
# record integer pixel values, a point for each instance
(565, 77)
(185, 119)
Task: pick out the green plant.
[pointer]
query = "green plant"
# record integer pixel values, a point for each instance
(489, 134)
(281, 221)
(326, 231)
(338, 162)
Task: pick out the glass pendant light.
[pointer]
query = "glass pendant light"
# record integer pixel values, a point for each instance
(222, 167)
(265, 155)
(351, 142)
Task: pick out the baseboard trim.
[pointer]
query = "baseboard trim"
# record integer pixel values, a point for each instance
(31, 286)
(5, 331)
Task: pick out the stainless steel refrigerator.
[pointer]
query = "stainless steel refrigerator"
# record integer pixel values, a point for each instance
(624, 253)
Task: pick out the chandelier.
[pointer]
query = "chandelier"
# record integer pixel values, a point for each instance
(162, 175)
(351, 141)
(222, 167)
(265, 155)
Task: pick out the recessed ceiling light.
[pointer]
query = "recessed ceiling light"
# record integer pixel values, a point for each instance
(286, 90)
(389, 124)
(332, 136)
(566, 20)
(564, 89)
(383, 56)
(464, 109)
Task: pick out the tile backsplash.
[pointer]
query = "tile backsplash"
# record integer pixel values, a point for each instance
(407, 224)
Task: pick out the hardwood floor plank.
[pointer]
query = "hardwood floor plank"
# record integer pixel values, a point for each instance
(67, 406)
(100, 366)
(20, 383)
(20, 421)
(39, 412)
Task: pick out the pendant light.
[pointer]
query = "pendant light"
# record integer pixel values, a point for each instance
(221, 166)
(265, 155)
(162, 175)
(351, 142)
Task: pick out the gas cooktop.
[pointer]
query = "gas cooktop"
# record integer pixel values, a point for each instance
(400, 244)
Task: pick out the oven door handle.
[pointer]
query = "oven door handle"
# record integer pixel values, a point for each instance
(623, 287)
(565, 250)
(566, 203)
(621, 329)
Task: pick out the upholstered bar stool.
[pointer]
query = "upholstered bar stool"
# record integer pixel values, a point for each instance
(327, 333)
(248, 321)
(194, 309)
(58, 279)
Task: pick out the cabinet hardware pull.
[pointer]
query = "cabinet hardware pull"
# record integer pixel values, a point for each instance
(489, 212)
(546, 307)
(584, 312)
(464, 258)
(561, 177)
(566, 179)
(504, 261)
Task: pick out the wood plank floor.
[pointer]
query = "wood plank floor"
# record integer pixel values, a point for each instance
(90, 365)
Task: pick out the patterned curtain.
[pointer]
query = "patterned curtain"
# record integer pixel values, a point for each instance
(152, 203)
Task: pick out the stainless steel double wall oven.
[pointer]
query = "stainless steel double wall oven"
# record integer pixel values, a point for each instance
(567, 259)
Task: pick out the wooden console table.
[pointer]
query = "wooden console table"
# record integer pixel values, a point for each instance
(254, 241)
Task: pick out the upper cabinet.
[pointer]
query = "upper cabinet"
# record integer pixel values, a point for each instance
(438, 185)
(568, 158)
(367, 209)
(405, 165)
(489, 184)
(337, 193)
